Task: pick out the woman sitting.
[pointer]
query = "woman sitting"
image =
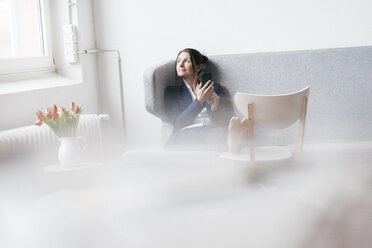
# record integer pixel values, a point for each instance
(201, 114)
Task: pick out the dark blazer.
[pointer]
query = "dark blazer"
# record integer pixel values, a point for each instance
(182, 110)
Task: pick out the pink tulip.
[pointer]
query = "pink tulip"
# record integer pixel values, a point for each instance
(54, 109)
(77, 111)
(64, 111)
(38, 123)
(54, 115)
(49, 112)
(39, 115)
(72, 106)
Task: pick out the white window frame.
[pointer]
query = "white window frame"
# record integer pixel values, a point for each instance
(45, 63)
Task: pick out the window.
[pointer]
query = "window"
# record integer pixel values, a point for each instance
(24, 37)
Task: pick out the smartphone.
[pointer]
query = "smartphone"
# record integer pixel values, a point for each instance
(206, 77)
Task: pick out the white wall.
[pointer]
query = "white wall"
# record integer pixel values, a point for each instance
(147, 32)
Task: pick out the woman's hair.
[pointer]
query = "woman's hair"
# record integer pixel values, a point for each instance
(196, 57)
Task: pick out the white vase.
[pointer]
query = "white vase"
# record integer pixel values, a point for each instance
(70, 151)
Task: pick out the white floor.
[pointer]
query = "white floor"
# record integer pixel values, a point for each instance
(182, 201)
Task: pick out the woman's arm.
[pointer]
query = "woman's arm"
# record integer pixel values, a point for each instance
(177, 113)
(224, 111)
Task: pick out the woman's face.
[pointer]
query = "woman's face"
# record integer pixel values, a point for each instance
(184, 66)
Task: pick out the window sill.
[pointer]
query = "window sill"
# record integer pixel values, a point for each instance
(48, 81)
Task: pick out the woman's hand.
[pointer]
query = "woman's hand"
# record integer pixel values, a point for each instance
(204, 93)
(214, 101)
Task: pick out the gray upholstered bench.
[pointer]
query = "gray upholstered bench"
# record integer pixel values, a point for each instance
(339, 108)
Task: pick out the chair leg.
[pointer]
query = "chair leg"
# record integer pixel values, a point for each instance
(250, 133)
(301, 129)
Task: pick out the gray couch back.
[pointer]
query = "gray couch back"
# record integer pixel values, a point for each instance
(340, 80)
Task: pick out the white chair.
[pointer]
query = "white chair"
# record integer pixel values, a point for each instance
(271, 112)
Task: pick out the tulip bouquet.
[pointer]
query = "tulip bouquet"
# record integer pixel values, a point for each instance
(63, 123)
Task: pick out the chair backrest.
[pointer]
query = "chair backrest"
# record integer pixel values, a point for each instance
(272, 111)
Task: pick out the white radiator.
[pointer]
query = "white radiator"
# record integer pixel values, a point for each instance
(35, 139)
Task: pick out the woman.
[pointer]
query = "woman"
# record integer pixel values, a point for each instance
(200, 113)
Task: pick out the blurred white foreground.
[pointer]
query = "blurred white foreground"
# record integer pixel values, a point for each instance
(187, 199)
